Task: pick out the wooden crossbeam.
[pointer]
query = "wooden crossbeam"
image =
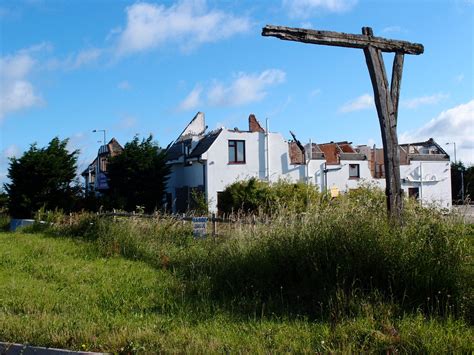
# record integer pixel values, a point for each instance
(340, 39)
(386, 97)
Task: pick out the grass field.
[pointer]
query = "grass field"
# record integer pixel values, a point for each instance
(71, 293)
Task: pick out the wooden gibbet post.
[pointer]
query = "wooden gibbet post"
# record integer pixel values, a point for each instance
(386, 97)
(214, 225)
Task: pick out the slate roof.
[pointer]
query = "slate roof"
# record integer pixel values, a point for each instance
(205, 143)
(176, 150)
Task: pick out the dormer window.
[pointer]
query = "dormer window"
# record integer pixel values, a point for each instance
(236, 152)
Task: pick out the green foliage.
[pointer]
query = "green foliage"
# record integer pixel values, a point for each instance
(45, 281)
(3, 202)
(458, 169)
(299, 263)
(4, 222)
(42, 177)
(303, 263)
(137, 176)
(247, 196)
(256, 196)
(372, 286)
(199, 205)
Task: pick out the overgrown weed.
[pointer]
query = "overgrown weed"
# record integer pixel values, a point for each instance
(325, 263)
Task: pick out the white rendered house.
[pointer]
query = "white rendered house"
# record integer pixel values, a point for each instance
(210, 161)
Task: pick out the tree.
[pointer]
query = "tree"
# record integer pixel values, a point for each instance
(469, 183)
(460, 174)
(42, 177)
(138, 176)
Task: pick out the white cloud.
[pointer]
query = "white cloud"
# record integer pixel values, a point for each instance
(453, 125)
(11, 151)
(246, 88)
(7, 153)
(192, 101)
(16, 66)
(424, 100)
(188, 23)
(85, 57)
(16, 92)
(75, 61)
(392, 29)
(124, 85)
(363, 102)
(307, 8)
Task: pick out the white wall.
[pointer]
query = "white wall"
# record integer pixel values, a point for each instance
(436, 185)
(434, 181)
(338, 175)
(220, 173)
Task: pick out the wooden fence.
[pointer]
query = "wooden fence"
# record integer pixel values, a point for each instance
(233, 221)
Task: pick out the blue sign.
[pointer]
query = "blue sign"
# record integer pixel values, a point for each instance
(199, 227)
(102, 183)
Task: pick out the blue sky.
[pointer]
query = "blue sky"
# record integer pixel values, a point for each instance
(68, 67)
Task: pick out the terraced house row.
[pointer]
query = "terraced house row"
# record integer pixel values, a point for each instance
(209, 160)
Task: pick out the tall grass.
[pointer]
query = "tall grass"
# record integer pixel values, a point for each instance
(60, 292)
(337, 259)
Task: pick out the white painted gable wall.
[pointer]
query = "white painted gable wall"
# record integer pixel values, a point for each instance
(436, 185)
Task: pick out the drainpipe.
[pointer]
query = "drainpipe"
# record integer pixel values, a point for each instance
(325, 176)
(267, 137)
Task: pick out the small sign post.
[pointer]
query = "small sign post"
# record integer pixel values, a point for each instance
(199, 227)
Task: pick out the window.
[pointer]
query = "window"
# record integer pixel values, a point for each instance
(103, 164)
(354, 171)
(414, 192)
(236, 152)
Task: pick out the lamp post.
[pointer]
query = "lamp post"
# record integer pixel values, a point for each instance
(100, 130)
(453, 143)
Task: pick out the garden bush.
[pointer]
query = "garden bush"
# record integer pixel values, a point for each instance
(260, 197)
(335, 259)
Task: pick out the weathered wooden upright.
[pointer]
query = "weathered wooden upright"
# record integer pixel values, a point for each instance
(386, 97)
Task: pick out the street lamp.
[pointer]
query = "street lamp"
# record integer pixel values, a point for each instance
(460, 168)
(453, 143)
(100, 130)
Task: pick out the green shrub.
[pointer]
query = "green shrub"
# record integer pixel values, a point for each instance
(256, 196)
(346, 249)
(199, 205)
(334, 260)
(4, 222)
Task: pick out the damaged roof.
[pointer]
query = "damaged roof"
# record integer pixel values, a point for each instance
(205, 143)
(178, 149)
